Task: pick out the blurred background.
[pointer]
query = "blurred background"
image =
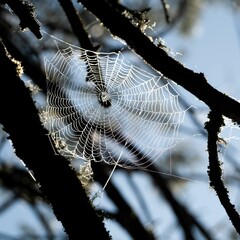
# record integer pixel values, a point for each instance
(204, 35)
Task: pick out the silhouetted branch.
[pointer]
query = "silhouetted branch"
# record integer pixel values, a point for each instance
(214, 169)
(185, 218)
(58, 181)
(17, 47)
(76, 24)
(125, 216)
(139, 197)
(8, 203)
(44, 222)
(26, 13)
(174, 19)
(159, 59)
(165, 8)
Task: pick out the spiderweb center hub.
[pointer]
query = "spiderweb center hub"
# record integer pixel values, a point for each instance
(104, 99)
(122, 115)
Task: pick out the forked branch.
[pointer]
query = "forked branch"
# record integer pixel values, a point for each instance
(214, 169)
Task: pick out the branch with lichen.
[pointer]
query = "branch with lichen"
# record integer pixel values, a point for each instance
(214, 169)
(26, 14)
(66, 195)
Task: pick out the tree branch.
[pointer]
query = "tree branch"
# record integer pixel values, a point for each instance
(76, 24)
(58, 181)
(26, 13)
(126, 215)
(159, 59)
(214, 169)
(165, 8)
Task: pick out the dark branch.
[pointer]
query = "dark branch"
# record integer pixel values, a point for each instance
(76, 24)
(126, 215)
(165, 8)
(26, 54)
(26, 13)
(159, 59)
(186, 220)
(58, 181)
(214, 169)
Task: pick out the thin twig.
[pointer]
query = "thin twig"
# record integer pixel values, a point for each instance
(165, 9)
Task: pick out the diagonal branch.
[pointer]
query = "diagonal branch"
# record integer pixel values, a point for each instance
(57, 179)
(185, 218)
(165, 8)
(126, 215)
(26, 13)
(76, 24)
(159, 59)
(214, 169)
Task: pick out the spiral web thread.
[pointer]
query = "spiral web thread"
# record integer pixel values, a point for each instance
(102, 108)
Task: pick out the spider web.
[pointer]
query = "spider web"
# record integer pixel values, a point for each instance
(100, 107)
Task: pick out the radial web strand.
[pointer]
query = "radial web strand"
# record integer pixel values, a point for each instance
(102, 108)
